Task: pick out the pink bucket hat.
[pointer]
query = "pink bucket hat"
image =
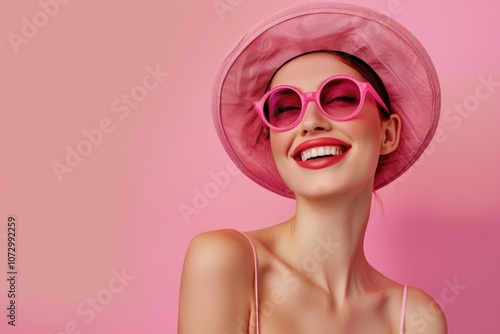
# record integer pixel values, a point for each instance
(392, 51)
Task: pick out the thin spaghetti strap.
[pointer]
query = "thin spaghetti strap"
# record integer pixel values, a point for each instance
(256, 286)
(403, 310)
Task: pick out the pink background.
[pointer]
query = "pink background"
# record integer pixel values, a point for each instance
(119, 209)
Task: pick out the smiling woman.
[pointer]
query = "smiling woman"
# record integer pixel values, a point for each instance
(346, 119)
(323, 103)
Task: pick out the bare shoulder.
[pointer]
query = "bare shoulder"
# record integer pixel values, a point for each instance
(226, 250)
(217, 283)
(423, 314)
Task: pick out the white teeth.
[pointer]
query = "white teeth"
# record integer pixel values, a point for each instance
(320, 152)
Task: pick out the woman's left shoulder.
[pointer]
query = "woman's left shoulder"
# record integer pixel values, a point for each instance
(423, 314)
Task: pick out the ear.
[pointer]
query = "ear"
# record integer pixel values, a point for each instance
(391, 131)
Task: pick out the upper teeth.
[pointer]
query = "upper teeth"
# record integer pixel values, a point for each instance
(321, 151)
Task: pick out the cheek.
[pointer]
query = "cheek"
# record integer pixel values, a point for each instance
(280, 146)
(279, 142)
(369, 127)
(367, 134)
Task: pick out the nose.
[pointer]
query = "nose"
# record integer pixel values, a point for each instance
(314, 120)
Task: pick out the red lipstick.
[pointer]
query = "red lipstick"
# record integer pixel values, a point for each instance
(322, 161)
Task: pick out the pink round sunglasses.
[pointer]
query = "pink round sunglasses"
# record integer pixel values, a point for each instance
(339, 97)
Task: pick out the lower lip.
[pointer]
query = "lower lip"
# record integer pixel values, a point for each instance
(321, 163)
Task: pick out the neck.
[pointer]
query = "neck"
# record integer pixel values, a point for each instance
(331, 231)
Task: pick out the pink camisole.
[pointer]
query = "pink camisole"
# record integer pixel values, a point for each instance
(256, 287)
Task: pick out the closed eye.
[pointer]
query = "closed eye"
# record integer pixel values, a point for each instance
(342, 98)
(284, 109)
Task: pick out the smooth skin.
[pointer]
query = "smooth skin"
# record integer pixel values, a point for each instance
(313, 272)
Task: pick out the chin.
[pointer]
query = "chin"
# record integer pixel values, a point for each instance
(320, 191)
(332, 189)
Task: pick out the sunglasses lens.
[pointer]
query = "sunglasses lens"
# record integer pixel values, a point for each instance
(282, 107)
(340, 98)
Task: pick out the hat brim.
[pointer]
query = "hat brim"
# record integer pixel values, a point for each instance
(390, 49)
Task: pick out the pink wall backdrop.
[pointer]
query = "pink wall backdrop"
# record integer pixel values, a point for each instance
(109, 160)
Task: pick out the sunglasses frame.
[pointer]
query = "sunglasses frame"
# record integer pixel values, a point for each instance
(305, 98)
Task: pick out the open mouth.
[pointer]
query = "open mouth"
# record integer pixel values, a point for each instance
(320, 152)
